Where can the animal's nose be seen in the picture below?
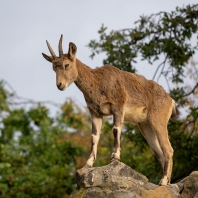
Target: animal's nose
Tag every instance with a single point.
(59, 85)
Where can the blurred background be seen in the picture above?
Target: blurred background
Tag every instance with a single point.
(45, 133)
(26, 25)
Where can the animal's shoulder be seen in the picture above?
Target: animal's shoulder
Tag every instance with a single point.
(155, 86)
(107, 69)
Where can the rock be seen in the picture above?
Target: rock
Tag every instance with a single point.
(150, 190)
(180, 185)
(115, 176)
(78, 194)
(150, 186)
(117, 180)
(190, 186)
(160, 192)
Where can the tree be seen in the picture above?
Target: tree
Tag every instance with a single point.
(38, 152)
(169, 41)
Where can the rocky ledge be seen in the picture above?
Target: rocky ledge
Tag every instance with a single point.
(117, 180)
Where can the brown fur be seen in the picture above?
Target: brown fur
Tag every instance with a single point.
(127, 96)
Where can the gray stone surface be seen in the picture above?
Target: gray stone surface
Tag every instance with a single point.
(115, 175)
(116, 180)
(174, 189)
(150, 186)
(191, 186)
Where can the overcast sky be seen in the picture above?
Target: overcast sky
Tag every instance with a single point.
(25, 25)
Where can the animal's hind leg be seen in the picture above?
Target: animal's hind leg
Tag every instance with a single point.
(162, 136)
(153, 142)
(118, 120)
(158, 120)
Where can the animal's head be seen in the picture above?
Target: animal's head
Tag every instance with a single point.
(64, 65)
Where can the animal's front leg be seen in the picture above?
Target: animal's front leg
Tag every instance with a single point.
(117, 128)
(96, 128)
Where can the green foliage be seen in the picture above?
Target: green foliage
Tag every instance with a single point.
(169, 40)
(39, 153)
(36, 157)
(3, 98)
(167, 34)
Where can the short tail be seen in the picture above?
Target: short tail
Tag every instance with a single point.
(175, 112)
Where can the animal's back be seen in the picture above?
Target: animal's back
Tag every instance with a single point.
(136, 89)
(144, 91)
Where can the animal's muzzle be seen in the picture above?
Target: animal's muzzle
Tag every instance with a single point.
(59, 85)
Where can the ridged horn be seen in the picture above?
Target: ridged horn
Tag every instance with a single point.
(60, 46)
(51, 50)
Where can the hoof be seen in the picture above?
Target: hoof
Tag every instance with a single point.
(115, 156)
(164, 181)
(87, 166)
(114, 159)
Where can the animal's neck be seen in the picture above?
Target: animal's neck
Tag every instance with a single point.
(85, 79)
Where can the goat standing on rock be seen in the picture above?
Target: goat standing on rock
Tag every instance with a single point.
(127, 96)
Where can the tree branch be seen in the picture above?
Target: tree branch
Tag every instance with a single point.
(167, 82)
(159, 67)
(192, 91)
(34, 102)
(24, 100)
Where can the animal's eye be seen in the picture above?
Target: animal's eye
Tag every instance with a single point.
(66, 66)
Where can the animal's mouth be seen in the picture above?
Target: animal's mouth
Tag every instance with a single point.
(62, 88)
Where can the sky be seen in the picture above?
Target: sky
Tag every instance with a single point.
(26, 25)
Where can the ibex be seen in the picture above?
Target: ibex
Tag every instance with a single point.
(126, 96)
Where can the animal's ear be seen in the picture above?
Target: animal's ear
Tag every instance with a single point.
(48, 58)
(72, 50)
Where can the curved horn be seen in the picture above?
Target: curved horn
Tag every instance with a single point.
(51, 50)
(60, 46)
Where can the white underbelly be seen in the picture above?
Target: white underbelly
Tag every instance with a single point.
(135, 114)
